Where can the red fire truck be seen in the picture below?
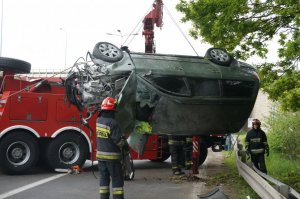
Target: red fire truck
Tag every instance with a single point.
(37, 122)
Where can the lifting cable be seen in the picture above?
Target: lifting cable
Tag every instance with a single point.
(140, 24)
(180, 30)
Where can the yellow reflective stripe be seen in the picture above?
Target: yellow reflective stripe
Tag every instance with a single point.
(104, 190)
(103, 129)
(256, 151)
(118, 192)
(102, 132)
(189, 163)
(255, 140)
(174, 142)
(109, 157)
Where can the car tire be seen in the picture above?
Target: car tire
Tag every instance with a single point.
(14, 65)
(66, 150)
(18, 152)
(218, 56)
(107, 52)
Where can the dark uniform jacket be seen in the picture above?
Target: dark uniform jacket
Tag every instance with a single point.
(108, 136)
(256, 141)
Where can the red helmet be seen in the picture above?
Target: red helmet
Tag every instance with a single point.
(109, 104)
(256, 121)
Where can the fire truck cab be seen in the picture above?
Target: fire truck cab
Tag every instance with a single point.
(38, 122)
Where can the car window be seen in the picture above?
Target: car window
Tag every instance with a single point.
(205, 87)
(171, 84)
(233, 88)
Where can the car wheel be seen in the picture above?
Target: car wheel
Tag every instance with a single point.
(218, 56)
(18, 152)
(203, 154)
(107, 52)
(66, 150)
(14, 65)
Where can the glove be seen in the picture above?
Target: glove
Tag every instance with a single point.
(267, 150)
(121, 143)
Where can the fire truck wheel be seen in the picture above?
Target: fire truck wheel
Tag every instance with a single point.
(15, 65)
(66, 150)
(107, 52)
(218, 56)
(203, 154)
(18, 152)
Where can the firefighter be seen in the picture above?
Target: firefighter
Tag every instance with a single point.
(257, 146)
(109, 142)
(176, 144)
(188, 147)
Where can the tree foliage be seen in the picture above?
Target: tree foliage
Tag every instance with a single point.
(245, 28)
(283, 133)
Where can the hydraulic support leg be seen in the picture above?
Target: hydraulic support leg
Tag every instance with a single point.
(195, 154)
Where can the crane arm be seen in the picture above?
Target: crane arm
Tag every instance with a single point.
(154, 17)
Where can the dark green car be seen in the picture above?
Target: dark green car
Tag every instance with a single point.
(176, 94)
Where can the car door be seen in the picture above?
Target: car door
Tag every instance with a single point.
(126, 113)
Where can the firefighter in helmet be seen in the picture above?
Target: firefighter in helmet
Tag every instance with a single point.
(257, 145)
(109, 141)
(176, 144)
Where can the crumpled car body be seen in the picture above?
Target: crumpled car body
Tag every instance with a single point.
(178, 94)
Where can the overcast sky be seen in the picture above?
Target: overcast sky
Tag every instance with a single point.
(36, 30)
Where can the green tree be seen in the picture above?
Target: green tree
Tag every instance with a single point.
(245, 28)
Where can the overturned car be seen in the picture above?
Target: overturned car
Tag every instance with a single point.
(176, 94)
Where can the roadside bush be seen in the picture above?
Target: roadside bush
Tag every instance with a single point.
(284, 133)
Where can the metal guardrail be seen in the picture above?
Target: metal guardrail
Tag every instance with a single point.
(257, 179)
(282, 188)
(258, 184)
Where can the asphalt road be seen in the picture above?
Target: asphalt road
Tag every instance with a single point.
(152, 181)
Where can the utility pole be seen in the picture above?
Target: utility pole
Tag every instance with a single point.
(66, 45)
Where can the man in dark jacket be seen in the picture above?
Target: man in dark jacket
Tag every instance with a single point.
(257, 145)
(109, 139)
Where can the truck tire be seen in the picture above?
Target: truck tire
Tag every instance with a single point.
(203, 154)
(218, 56)
(18, 152)
(66, 150)
(14, 65)
(107, 52)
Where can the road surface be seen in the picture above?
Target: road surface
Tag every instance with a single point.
(152, 181)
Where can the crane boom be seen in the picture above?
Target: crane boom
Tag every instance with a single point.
(154, 17)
